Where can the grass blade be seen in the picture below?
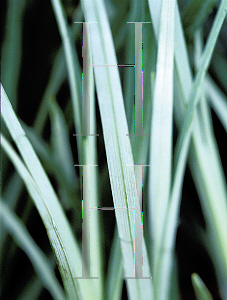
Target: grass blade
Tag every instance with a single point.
(61, 155)
(115, 274)
(219, 211)
(118, 149)
(201, 291)
(46, 217)
(90, 157)
(195, 13)
(32, 290)
(218, 100)
(72, 64)
(197, 86)
(161, 140)
(37, 257)
(201, 156)
(57, 76)
(62, 239)
(185, 78)
(85, 146)
(11, 50)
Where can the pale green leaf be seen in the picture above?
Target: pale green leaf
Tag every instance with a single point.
(62, 239)
(40, 262)
(161, 140)
(117, 144)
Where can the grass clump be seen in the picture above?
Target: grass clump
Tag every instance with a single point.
(128, 183)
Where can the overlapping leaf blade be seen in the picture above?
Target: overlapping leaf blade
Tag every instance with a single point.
(60, 234)
(117, 144)
(37, 257)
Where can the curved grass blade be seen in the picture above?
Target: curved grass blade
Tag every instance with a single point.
(40, 262)
(45, 215)
(11, 195)
(62, 239)
(58, 74)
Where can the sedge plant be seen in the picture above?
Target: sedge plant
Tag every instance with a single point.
(110, 196)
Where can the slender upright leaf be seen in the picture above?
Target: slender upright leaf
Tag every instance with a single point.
(118, 149)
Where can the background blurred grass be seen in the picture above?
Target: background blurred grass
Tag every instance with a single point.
(30, 43)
